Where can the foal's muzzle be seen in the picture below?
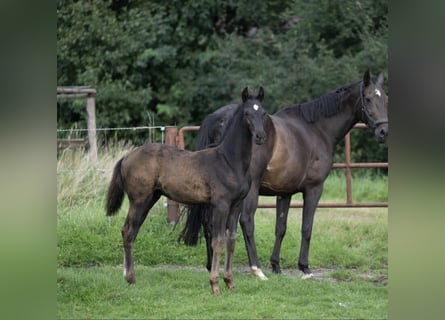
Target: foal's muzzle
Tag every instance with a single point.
(260, 138)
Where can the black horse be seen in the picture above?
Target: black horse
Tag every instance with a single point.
(218, 177)
(298, 157)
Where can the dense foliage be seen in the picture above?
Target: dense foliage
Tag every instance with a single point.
(173, 62)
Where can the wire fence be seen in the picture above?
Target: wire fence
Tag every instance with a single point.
(76, 131)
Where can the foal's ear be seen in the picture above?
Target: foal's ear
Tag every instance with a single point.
(366, 78)
(245, 94)
(260, 95)
(379, 80)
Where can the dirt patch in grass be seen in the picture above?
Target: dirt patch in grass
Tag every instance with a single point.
(318, 274)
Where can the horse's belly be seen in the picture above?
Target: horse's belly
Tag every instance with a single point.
(280, 181)
(187, 193)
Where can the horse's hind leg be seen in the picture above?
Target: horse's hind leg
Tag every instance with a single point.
(208, 236)
(311, 197)
(137, 213)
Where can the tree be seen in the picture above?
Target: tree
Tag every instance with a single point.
(177, 61)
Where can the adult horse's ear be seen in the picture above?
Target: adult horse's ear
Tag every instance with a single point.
(366, 78)
(260, 95)
(379, 80)
(245, 94)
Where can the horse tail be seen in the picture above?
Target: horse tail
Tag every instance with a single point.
(196, 216)
(115, 195)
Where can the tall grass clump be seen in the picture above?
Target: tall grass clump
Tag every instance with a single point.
(80, 182)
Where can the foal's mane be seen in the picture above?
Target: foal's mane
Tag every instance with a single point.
(326, 105)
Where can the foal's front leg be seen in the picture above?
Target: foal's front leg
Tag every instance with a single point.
(217, 245)
(219, 220)
(232, 224)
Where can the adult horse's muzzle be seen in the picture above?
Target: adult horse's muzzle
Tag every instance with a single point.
(381, 132)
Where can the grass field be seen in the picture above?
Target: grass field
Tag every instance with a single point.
(348, 256)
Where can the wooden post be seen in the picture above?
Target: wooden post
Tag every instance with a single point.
(89, 94)
(172, 206)
(91, 111)
(348, 168)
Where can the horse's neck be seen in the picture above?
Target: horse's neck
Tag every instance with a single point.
(236, 145)
(338, 125)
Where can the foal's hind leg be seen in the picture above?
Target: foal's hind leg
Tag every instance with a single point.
(136, 215)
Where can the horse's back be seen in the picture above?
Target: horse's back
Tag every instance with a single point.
(175, 173)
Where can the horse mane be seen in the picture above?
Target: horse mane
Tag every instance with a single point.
(214, 127)
(326, 105)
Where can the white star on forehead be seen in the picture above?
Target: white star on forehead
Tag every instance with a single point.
(377, 92)
(255, 107)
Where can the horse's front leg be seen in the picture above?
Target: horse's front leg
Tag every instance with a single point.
(218, 236)
(232, 224)
(282, 212)
(311, 196)
(247, 222)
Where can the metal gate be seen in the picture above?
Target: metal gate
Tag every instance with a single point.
(176, 138)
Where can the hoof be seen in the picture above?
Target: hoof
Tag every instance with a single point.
(276, 268)
(130, 279)
(258, 273)
(215, 287)
(307, 276)
(229, 282)
(215, 291)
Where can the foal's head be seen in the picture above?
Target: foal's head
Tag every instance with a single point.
(374, 103)
(254, 114)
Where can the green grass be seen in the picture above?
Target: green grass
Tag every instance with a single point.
(348, 250)
(101, 293)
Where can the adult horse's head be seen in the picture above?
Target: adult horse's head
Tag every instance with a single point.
(374, 105)
(254, 114)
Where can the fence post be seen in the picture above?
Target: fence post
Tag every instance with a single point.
(348, 168)
(172, 206)
(91, 112)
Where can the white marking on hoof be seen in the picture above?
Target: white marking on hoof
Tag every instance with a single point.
(258, 273)
(377, 92)
(307, 276)
(255, 106)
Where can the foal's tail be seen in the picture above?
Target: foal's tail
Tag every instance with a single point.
(115, 195)
(197, 215)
